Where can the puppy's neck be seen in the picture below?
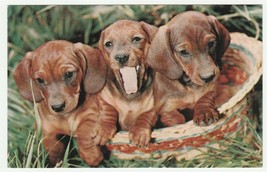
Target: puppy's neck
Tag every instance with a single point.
(148, 81)
(82, 96)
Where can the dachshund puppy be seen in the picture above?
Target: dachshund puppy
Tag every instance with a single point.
(63, 77)
(186, 53)
(128, 95)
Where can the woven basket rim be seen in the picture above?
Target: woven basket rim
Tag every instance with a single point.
(256, 72)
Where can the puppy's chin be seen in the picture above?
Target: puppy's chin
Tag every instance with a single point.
(199, 82)
(190, 80)
(129, 78)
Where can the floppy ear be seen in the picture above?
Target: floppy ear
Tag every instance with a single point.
(101, 41)
(22, 77)
(160, 56)
(223, 38)
(149, 29)
(95, 70)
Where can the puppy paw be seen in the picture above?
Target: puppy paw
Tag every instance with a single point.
(54, 160)
(205, 117)
(139, 136)
(102, 134)
(92, 156)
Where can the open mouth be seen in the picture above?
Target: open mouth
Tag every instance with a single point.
(130, 77)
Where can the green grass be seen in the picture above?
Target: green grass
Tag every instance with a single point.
(30, 26)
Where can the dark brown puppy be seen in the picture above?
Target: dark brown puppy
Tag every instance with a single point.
(128, 95)
(64, 78)
(186, 53)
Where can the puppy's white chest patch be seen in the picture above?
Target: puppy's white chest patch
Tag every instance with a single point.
(128, 111)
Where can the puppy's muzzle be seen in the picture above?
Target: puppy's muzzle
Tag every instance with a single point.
(122, 58)
(59, 107)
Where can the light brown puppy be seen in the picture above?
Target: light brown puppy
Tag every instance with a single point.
(127, 96)
(186, 53)
(64, 78)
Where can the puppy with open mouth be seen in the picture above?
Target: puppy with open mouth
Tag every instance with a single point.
(128, 95)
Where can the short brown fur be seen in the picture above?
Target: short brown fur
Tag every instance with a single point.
(134, 112)
(186, 53)
(64, 77)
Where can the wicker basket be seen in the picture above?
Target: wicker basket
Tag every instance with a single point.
(187, 140)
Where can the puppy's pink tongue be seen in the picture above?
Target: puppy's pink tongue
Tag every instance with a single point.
(129, 78)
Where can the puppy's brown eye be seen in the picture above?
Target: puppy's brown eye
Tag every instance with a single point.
(68, 75)
(136, 39)
(108, 44)
(211, 44)
(184, 53)
(40, 80)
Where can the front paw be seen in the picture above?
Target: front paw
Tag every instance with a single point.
(102, 134)
(54, 160)
(205, 117)
(139, 136)
(92, 156)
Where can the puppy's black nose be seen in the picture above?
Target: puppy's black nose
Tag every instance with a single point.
(207, 77)
(122, 58)
(59, 107)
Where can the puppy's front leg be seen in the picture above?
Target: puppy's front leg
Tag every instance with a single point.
(88, 150)
(105, 127)
(140, 131)
(54, 148)
(205, 112)
(172, 118)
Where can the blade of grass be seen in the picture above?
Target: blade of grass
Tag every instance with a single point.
(30, 153)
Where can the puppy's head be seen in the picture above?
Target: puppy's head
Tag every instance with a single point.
(190, 45)
(58, 71)
(124, 45)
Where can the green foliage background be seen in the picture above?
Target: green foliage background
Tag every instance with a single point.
(31, 26)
